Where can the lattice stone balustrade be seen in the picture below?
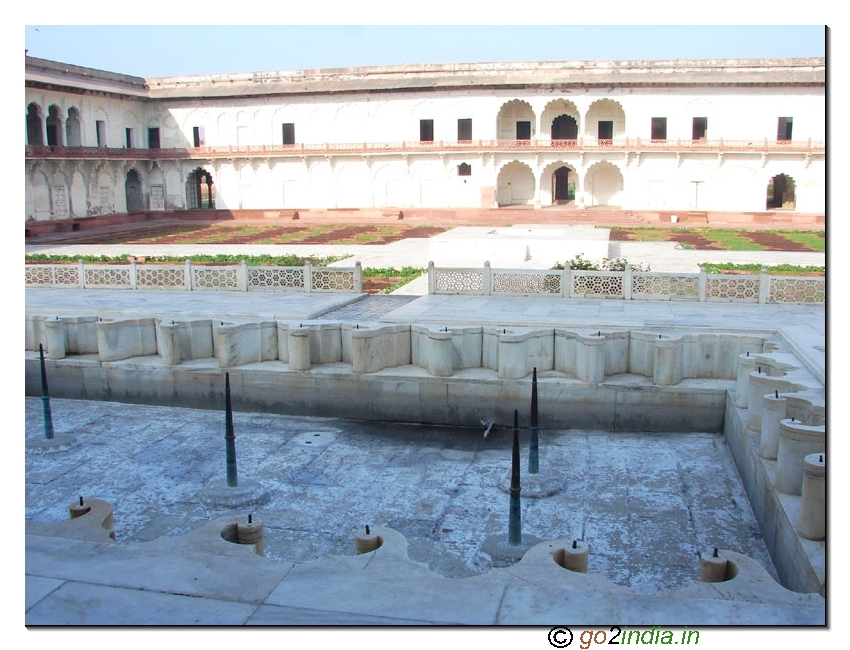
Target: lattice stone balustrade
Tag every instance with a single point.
(732, 289)
(664, 286)
(215, 277)
(160, 276)
(592, 285)
(107, 276)
(275, 277)
(527, 282)
(234, 277)
(798, 290)
(450, 281)
(332, 280)
(627, 285)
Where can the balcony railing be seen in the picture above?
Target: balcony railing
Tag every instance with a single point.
(635, 145)
(627, 285)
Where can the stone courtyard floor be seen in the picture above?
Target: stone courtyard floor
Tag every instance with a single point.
(646, 504)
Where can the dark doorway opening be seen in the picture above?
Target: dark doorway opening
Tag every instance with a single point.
(200, 194)
(426, 130)
(133, 191)
(34, 133)
(523, 130)
(563, 186)
(54, 127)
(700, 128)
(564, 127)
(781, 193)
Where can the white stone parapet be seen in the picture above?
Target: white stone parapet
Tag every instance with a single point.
(124, 339)
(247, 343)
(590, 356)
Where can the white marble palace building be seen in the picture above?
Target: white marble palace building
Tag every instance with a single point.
(719, 135)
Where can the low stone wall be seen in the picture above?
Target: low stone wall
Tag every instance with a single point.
(404, 394)
(775, 427)
(195, 277)
(512, 352)
(627, 285)
(799, 562)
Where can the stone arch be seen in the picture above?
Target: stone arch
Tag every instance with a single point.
(73, 132)
(200, 190)
(132, 121)
(559, 183)
(515, 184)
(35, 133)
(105, 192)
(244, 129)
(133, 191)
(54, 126)
(515, 121)
(59, 195)
(77, 195)
(560, 120)
(40, 196)
(603, 117)
(603, 185)
(101, 135)
(391, 185)
(195, 117)
(781, 193)
(156, 188)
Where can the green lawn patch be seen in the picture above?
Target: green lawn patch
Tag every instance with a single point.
(777, 269)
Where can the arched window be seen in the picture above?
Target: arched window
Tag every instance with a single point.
(73, 136)
(54, 126)
(35, 134)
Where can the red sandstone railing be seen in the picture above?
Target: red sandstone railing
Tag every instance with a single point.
(533, 146)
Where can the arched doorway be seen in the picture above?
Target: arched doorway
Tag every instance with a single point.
(564, 127)
(603, 185)
(133, 192)
(515, 121)
(35, 134)
(605, 121)
(515, 184)
(563, 186)
(199, 190)
(781, 193)
(72, 128)
(54, 126)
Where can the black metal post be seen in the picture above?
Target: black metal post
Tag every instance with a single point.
(515, 520)
(229, 437)
(45, 397)
(533, 440)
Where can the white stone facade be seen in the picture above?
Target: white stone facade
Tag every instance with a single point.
(663, 136)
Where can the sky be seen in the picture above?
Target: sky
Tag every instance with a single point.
(182, 49)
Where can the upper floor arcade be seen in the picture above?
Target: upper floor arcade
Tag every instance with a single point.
(760, 107)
